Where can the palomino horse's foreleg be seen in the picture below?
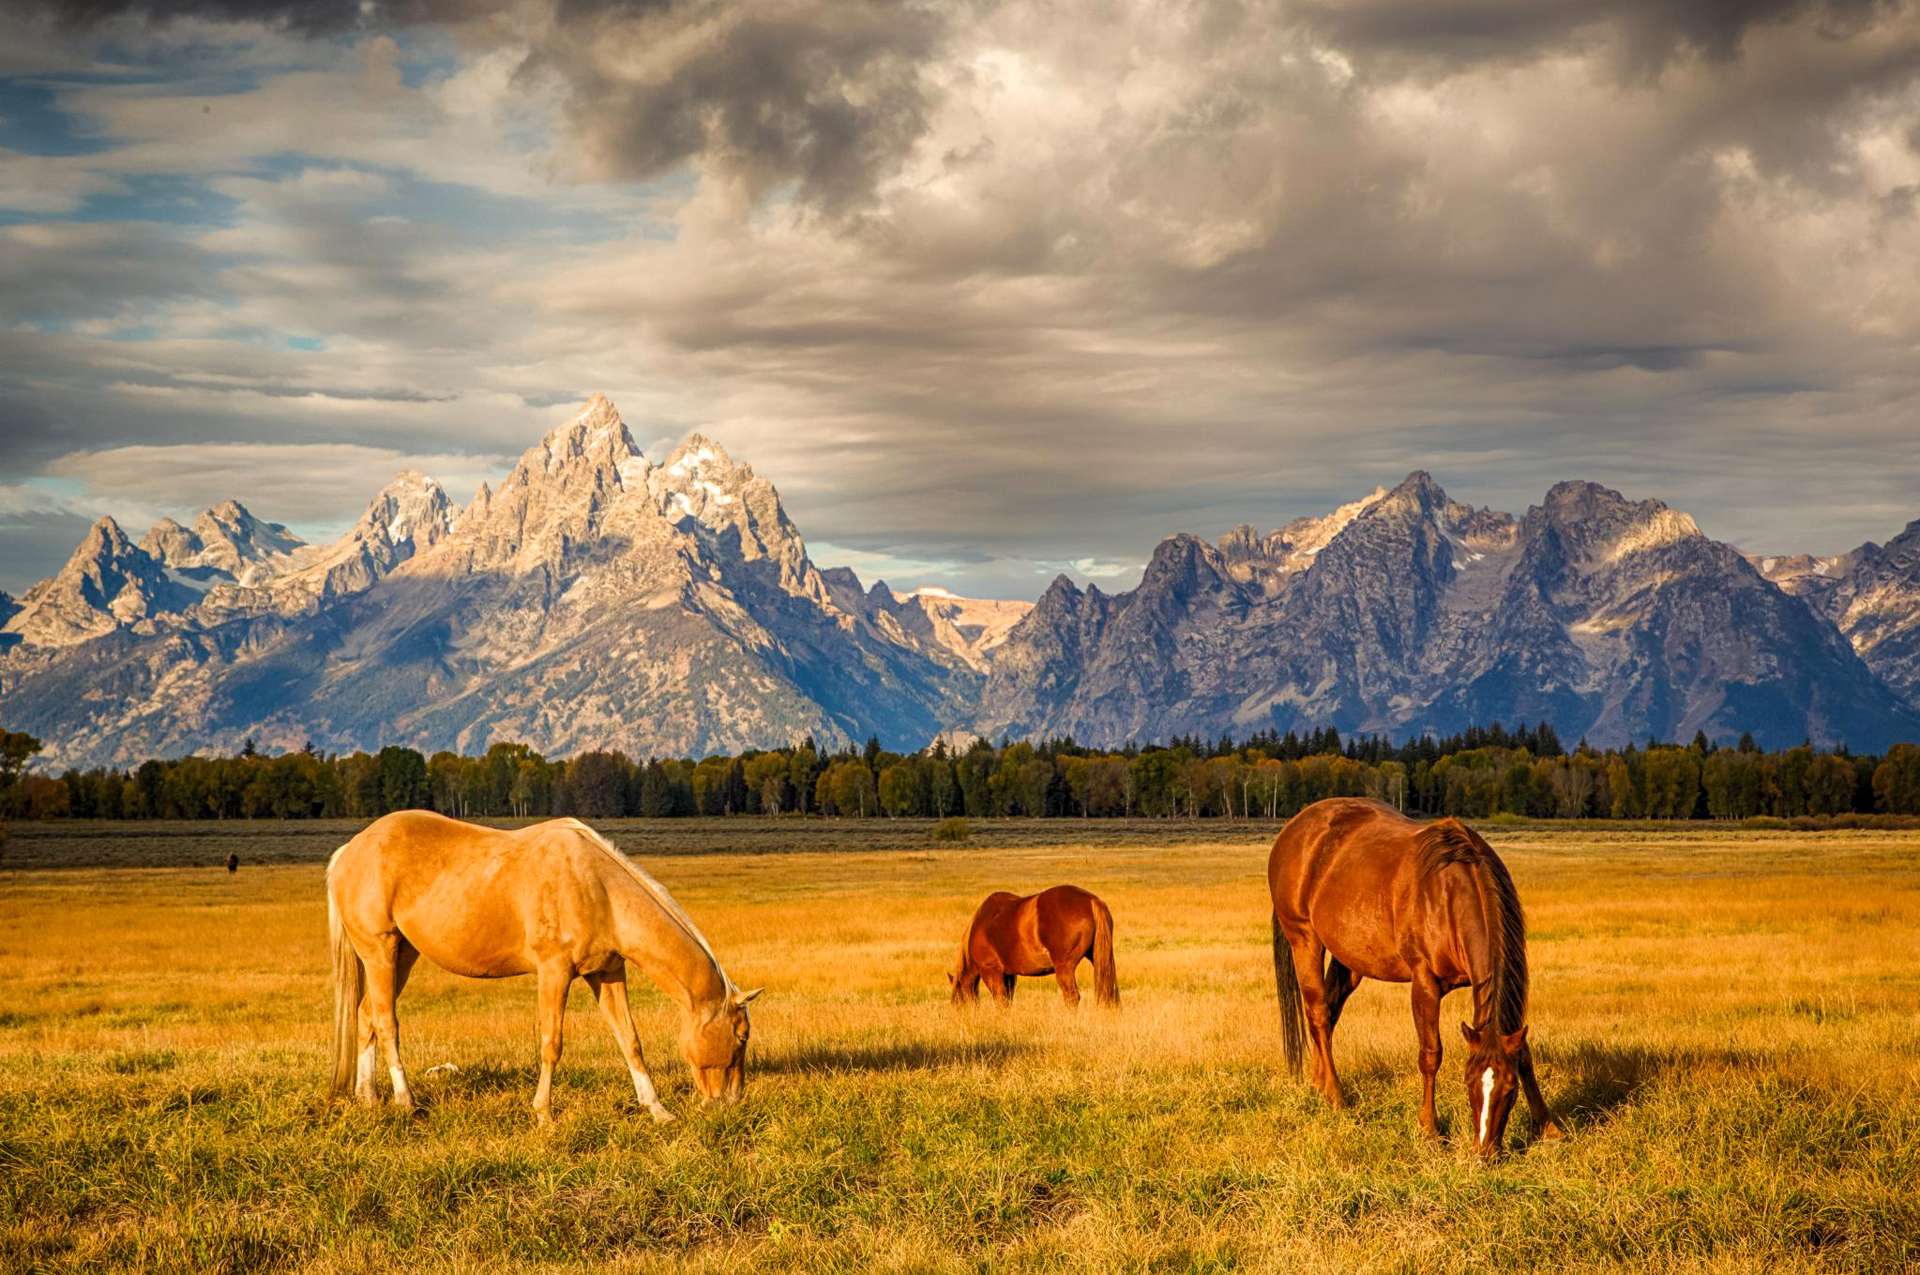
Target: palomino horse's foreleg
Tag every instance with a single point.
(611, 991)
(1307, 954)
(555, 983)
(1536, 1105)
(405, 954)
(384, 981)
(1426, 1025)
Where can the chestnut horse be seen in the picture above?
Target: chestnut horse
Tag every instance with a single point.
(555, 900)
(1380, 896)
(1046, 933)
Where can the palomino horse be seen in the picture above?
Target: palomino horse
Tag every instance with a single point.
(1046, 933)
(1381, 896)
(555, 900)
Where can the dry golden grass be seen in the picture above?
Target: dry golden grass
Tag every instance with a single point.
(1727, 1022)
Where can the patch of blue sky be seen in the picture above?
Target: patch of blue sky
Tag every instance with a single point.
(426, 57)
(310, 344)
(170, 198)
(32, 122)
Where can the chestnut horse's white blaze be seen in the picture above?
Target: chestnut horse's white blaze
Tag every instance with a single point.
(1486, 1101)
(555, 900)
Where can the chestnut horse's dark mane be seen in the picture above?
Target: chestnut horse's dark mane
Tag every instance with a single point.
(1449, 842)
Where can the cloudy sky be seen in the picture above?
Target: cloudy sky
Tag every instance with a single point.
(989, 290)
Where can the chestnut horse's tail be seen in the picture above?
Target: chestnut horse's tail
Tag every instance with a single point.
(349, 984)
(1293, 1014)
(1106, 980)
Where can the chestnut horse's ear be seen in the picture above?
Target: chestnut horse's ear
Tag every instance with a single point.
(1473, 1037)
(741, 998)
(1515, 1041)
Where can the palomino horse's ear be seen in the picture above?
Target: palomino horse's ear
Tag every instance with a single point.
(1514, 1042)
(741, 998)
(1473, 1037)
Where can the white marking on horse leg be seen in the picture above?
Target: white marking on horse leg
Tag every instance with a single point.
(649, 1097)
(402, 1096)
(363, 1073)
(1486, 1102)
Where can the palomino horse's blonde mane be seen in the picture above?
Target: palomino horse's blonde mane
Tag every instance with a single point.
(658, 893)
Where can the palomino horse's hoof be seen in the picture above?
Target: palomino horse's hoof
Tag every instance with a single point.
(662, 1116)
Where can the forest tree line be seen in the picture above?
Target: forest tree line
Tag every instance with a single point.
(1481, 772)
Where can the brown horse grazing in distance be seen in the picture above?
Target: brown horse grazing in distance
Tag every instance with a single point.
(1380, 896)
(1046, 933)
(555, 900)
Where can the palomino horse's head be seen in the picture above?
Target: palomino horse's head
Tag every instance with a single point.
(713, 1040)
(1493, 1078)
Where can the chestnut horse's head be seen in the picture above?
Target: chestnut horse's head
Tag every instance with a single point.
(964, 990)
(1493, 1078)
(713, 1040)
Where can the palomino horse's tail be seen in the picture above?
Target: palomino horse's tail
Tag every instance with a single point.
(1286, 981)
(1106, 980)
(349, 984)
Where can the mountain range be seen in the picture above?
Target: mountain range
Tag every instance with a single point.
(596, 599)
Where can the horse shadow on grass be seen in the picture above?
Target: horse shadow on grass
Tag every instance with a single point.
(1586, 1085)
(1591, 1082)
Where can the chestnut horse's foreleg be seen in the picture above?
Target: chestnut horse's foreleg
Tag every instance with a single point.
(1426, 1025)
(1000, 985)
(383, 987)
(1307, 953)
(611, 991)
(405, 954)
(555, 982)
(1536, 1105)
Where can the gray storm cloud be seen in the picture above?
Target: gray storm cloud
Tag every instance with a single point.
(1021, 284)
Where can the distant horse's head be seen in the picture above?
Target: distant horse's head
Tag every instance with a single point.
(964, 990)
(1493, 1078)
(713, 1040)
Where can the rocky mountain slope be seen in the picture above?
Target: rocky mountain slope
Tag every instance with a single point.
(596, 599)
(1408, 611)
(593, 600)
(1872, 596)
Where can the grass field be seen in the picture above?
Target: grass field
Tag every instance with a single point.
(1729, 1024)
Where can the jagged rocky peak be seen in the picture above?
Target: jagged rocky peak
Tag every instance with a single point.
(595, 437)
(106, 583)
(226, 539)
(171, 543)
(411, 511)
(700, 482)
(1603, 527)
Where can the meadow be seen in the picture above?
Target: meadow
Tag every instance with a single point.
(1728, 1022)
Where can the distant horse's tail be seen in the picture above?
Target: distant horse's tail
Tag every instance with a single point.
(1293, 1018)
(349, 984)
(1106, 979)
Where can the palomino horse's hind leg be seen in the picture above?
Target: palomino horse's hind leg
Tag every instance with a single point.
(1426, 1025)
(383, 986)
(555, 982)
(1536, 1105)
(1313, 997)
(405, 954)
(611, 991)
